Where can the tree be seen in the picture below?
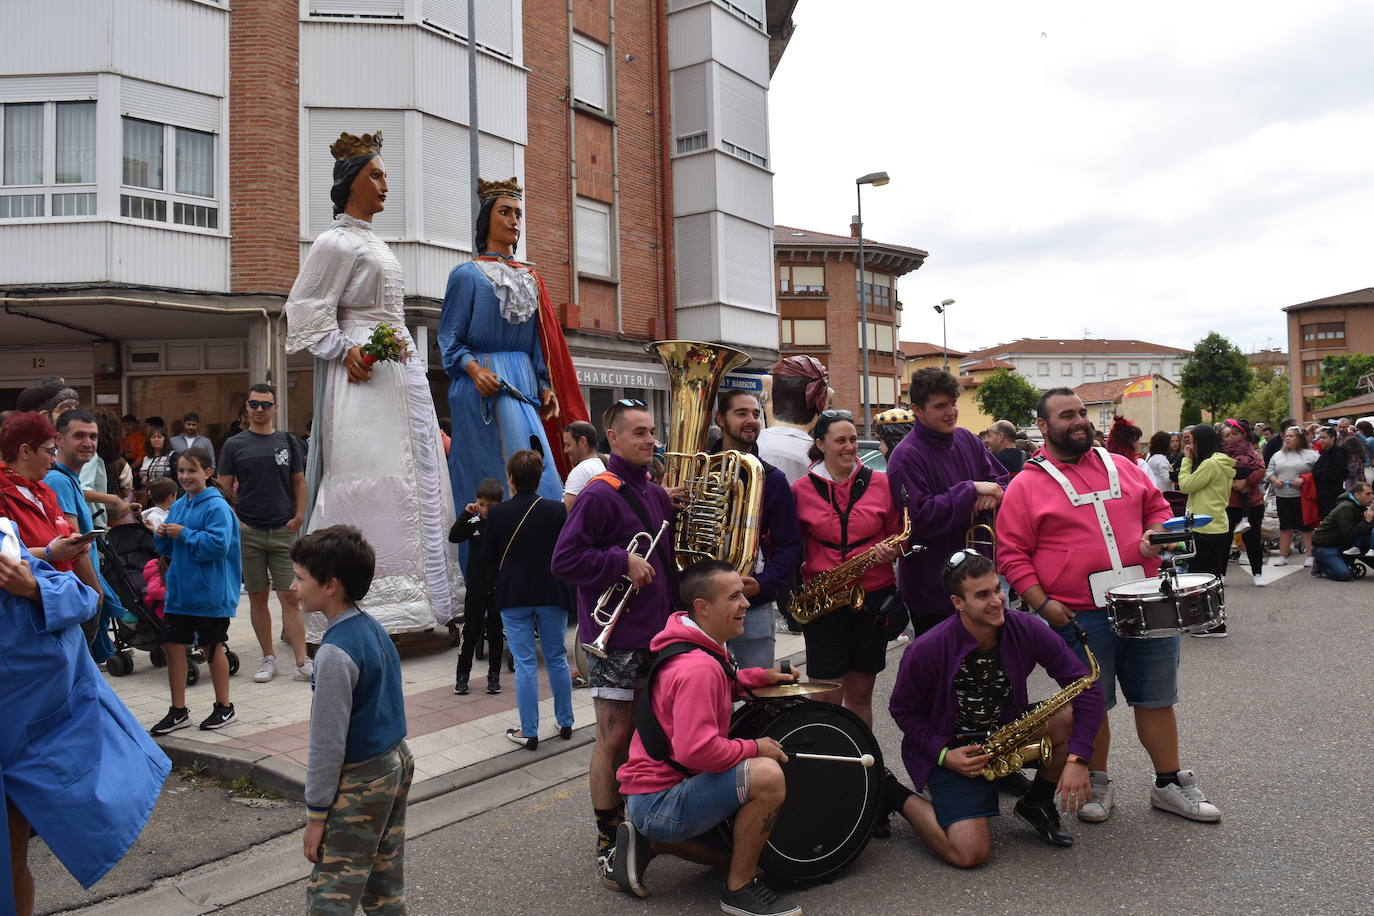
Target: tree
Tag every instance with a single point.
(1268, 400)
(1191, 415)
(1216, 374)
(1005, 395)
(1340, 375)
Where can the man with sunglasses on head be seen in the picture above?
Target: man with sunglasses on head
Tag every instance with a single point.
(953, 482)
(1075, 522)
(961, 681)
(268, 465)
(592, 555)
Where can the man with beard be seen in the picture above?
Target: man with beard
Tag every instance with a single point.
(1075, 519)
(780, 545)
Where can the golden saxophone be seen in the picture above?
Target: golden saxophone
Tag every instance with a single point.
(1012, 746)
(839, 587)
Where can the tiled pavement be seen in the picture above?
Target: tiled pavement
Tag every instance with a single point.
(446, 732)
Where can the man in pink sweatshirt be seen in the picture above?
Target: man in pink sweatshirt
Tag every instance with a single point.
(706, 776)
(1054, 551)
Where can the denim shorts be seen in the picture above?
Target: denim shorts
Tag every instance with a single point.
(960, 798)
(1147, 669)
(690, 808)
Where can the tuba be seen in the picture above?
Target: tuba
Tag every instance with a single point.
(723, 492)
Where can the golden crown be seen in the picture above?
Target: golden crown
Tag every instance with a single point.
(348, 145)
(489, 190)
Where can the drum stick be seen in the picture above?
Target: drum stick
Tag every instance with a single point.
(865, 760)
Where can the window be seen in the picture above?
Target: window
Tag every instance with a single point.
(75, 143)
(1154, 368)
(801, 278)
(147, 148)
(1090, 369)
(593, 238)
(1066, 369)
(48, 143)
(1133, 369)
(1042, 368)
(23, 144)
(880, 336)
(1311, 371)
(195, 162)
(803, 332)
(1111, 370)
(143, 150)
(882, 391)
(877, 288)
(1325, 334)
(589, 73)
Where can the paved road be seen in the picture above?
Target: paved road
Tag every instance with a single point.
(1276, 720)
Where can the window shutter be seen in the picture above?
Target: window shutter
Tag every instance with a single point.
(593, 240)
(589, 73)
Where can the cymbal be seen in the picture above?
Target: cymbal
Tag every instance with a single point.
(783, 691)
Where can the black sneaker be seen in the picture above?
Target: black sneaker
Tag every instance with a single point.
(175, 719)
(632, 855)
(493, 684)
(460, 686)
(756, 899)
(605, 868)
(220, 717)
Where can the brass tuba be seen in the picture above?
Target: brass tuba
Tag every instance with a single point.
(724, 492)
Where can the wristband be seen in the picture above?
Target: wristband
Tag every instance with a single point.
(941, 761)
(1044, 604)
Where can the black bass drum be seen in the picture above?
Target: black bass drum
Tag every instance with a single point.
(831, 806)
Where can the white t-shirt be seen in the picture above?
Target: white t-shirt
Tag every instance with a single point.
(1158, 467)
(154, 516)
(785, 448)
(581, 475)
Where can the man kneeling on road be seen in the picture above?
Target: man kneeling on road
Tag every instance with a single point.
(1346, 526)
(960, 681)
(684, 776)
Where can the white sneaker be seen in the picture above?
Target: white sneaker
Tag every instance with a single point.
(1242, 526)
(306, 671)
(267, 670)
(1279, 561)
(1185, 799)
(1103, 800)
(1259, 581)
(1307, 562)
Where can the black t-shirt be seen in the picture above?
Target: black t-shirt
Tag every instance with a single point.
(981, 691)
(262, 466)
(1013, 459)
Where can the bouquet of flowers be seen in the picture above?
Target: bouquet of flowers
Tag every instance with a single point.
(386, 343)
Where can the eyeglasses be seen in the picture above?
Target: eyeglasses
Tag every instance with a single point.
(52, 452)
(960, 557)
(261, 405)
(631, 402)
(618, 407)
(837, 414)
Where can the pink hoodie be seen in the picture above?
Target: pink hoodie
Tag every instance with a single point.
(1042, 540)
(873, 518)
(693, 700)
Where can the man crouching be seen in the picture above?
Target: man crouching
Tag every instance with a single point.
(960, 681)
(684, 776)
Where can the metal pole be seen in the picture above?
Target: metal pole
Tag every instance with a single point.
(944, 334)
(474, 164)
(863, 316)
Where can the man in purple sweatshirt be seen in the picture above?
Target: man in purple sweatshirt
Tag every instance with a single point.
(591, 554)
(960, 681)
(951, 480)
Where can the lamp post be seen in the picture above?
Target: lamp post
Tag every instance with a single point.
(944, 329)
(877, 179)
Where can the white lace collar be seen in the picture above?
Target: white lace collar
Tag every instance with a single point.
(516, 289)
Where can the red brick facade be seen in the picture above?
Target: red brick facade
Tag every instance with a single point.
(264, 114)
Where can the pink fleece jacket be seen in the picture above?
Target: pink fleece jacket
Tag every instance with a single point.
(873, 518)
(1042, 540)
(692, 699)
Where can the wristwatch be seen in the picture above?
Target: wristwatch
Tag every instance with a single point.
(1074, 758)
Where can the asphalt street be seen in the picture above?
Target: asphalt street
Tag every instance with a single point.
(1275, 719)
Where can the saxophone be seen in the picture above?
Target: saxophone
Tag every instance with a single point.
(1011, 745)
(839, 587)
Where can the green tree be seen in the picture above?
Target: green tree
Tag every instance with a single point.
(1268, 400)
(1191, 415)
(1216, 374)
(1005, 395)
(1340, 375)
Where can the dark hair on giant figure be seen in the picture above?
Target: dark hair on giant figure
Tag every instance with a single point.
(345, 170)
(696, 581)
(483, 225)
(337, 552)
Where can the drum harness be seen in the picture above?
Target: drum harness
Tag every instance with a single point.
(1098, 500)
(651, 733)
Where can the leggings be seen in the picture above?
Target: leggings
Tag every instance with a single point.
(1254, 547)
(1213, 552)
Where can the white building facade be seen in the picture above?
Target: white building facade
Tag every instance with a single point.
(1047, 363)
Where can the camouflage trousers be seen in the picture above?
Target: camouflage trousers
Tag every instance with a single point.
(363, 854)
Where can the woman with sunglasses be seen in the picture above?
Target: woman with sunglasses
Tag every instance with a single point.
(845, 509)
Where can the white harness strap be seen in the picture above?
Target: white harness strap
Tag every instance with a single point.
(1098, 498)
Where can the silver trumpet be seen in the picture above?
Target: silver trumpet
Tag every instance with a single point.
(620, 592)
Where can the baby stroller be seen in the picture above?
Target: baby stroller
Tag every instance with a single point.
(124, 551)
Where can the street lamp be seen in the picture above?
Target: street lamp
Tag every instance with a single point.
(877, 179)
(944, 335)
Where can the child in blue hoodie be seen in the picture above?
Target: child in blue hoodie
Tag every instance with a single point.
(200, 539)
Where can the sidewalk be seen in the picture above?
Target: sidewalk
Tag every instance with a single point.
(269, 737)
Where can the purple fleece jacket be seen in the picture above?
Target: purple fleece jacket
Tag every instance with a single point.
(923, 702)
(591, 554)
(937, 470)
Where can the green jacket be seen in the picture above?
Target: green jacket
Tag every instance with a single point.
(1209, 489)
(1343, 526)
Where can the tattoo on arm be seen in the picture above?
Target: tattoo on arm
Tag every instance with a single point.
(769, 822)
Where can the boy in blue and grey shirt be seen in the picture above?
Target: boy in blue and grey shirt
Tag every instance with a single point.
(360, 769)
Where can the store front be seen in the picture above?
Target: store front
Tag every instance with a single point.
(604, 382)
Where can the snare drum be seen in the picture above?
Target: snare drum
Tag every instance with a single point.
(1145, 609)
(828, 816)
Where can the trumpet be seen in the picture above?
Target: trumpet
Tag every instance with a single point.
(983, 539)
(620, 592)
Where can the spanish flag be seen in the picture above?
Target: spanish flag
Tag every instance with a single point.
(1140, 388)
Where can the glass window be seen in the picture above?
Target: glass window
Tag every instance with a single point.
(195, 162)
(1111, 369)
(1042, 368)
(76, 142)
(23, 144)
(1066, 368)
(803, 332)
(1090, 368)
(1134, 369)
(808, 279)
(143, 153)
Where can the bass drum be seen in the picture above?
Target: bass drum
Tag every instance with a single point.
(831, 806)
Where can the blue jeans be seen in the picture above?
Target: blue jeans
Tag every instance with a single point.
(1147, 669)
(1331, 562)
(553, 626)
(689, 808)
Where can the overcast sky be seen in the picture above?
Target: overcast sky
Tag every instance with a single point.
(1137, 170)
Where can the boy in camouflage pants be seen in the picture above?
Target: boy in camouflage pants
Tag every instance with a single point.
(359, 768)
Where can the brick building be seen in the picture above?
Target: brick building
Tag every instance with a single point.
(1333, 326)
(818, 308)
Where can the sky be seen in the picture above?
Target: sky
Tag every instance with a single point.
(1122, 170)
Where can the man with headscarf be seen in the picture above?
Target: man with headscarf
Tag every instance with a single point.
(800, 393)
